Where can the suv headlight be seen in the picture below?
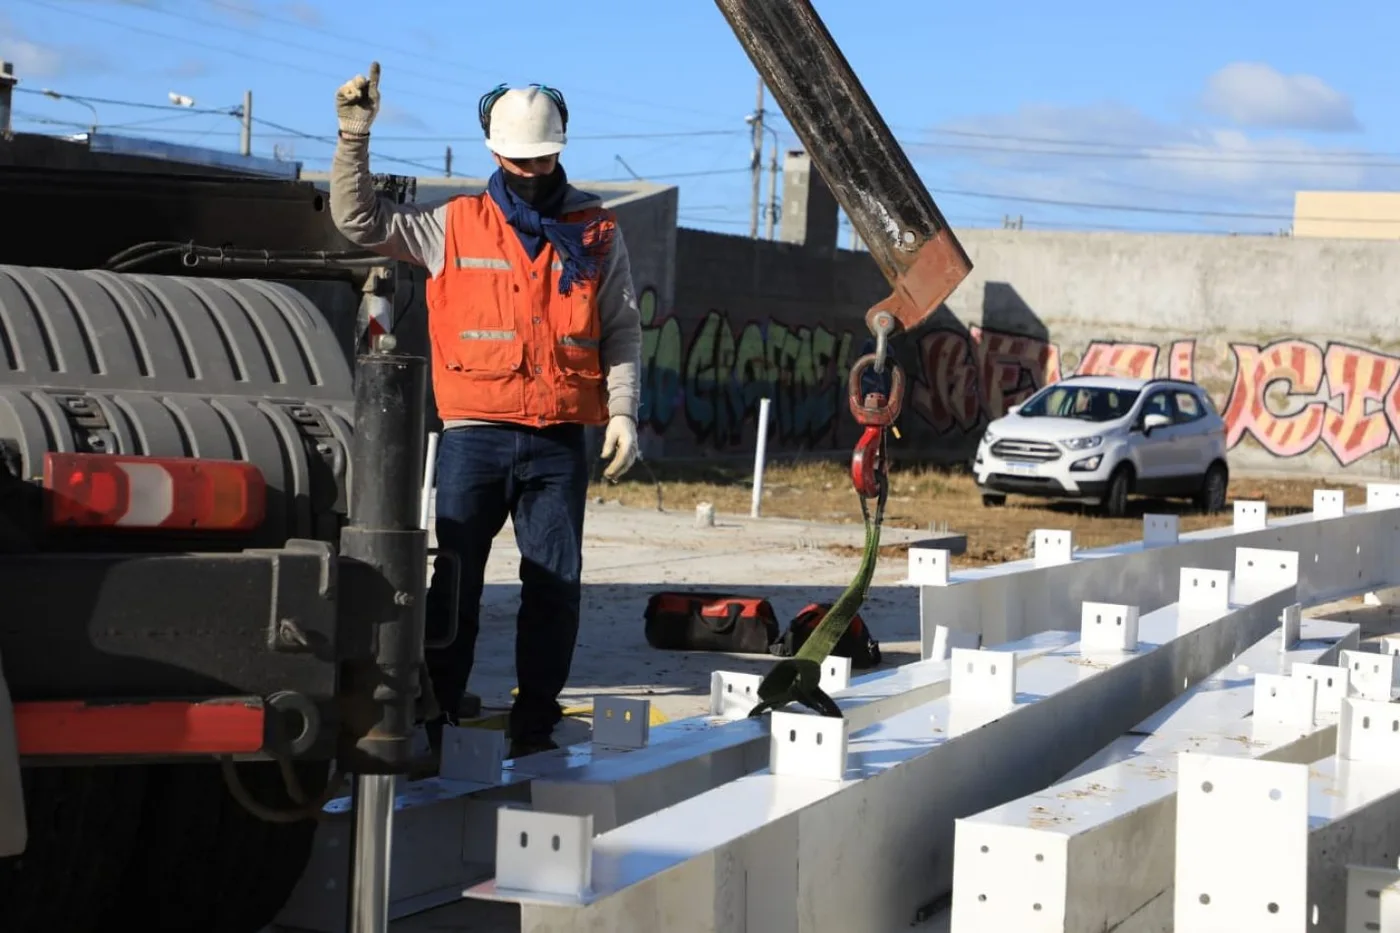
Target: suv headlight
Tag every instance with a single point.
(988, 437)
(1083, 443)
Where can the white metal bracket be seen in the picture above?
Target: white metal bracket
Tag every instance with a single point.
(836, 674)
(1369, 731)
(1261, 572)
(1160, 530)
(983, 677)
(1382, 495)
(1053, 546)
(1288, 701)
(1108, 627)
(804, 745)
(1241, 845)
(544, 853)
(1332, 683)
(1329, 503)
(1204, 591)
(472, 755)
(621, 722)
(733, 695)
(1251, 515)
(1290, 627)
(928, 566)
(1372, 674)
(1366, 887)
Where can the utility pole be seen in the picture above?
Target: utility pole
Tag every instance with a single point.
(245, 144)
(757, 166)
(773, 189)
(7, 88)
(447, 163)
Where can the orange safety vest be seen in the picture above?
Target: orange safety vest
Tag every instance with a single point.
(506, 345)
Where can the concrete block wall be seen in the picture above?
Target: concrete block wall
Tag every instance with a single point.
(1295, 338)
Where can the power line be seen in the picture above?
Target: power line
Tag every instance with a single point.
(137, 104)
(1152, 155)
(247, 56)
(1132, 146)
(292, 132)
(454, 64)
(1145, 209)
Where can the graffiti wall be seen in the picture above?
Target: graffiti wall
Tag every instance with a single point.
(702, 379)
(1286, 398)
(762, 320)
(706, 380)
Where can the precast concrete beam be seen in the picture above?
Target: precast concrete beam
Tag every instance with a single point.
(1091, 851)
(1341, 552)
(445, 831)
(1266, 845)
(884, 799)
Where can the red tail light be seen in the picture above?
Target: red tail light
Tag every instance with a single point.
(106, 491)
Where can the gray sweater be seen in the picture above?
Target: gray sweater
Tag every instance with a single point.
(416, 233)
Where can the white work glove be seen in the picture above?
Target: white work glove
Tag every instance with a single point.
(619, 443)
(357, 102)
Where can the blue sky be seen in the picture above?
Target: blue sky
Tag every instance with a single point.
(1184, 116)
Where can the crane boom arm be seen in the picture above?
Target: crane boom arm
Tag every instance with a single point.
(857, 155)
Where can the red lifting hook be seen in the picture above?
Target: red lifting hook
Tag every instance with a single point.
(875, 412)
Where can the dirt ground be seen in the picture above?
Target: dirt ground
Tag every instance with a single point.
(931, 499)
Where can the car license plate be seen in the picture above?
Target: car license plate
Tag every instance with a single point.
(1022, 469)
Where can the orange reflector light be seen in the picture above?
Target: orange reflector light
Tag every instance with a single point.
(157, 727)
(109, 491)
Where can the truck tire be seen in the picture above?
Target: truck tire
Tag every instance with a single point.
(83, 825)
(204, 863)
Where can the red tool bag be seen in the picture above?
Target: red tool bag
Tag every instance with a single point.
(857, 643)
(710, 622)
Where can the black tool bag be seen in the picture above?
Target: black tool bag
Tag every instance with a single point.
(857, 643)
(710, 622)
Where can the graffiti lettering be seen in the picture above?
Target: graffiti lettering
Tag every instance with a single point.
(718, 381)
(702, 379)
(1129, 360)
(1297, 366)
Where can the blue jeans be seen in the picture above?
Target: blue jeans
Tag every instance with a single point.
(539, 477)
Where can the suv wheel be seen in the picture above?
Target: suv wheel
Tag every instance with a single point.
(1115, 498)
(1214, 489)
(992, 501)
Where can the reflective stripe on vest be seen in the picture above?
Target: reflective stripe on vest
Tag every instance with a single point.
(506, 345)
(482, 262)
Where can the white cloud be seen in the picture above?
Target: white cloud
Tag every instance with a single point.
(42, 60)
(392, 115)
(304, 13)
(1254, 94)
(29, 58)
(1111, 153)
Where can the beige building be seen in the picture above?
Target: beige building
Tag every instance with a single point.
(1354, 215)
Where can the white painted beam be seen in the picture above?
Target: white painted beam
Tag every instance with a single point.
(1235, 860)
(684, 868)
(1339, 556)
(1090, 852)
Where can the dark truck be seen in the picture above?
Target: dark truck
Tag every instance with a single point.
(208, 591)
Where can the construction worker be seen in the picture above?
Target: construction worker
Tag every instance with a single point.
(535, 333)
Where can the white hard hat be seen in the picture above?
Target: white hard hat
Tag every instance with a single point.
(524, 123)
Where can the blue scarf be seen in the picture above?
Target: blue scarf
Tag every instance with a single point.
(581, 262)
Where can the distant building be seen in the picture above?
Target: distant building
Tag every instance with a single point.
(1353, 215)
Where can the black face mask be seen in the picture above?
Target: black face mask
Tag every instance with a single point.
(539, 191)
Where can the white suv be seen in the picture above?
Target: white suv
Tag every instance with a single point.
(1096, 439)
